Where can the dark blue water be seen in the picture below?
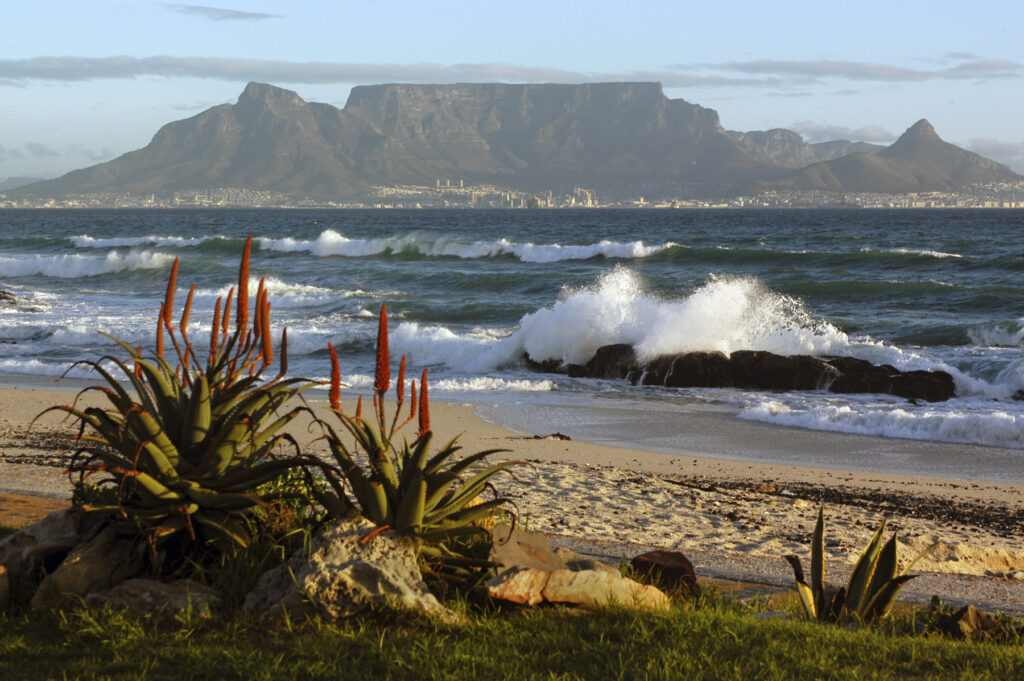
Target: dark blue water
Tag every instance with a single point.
(469, 291)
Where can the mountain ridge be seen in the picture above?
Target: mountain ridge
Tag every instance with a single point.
(617, 138)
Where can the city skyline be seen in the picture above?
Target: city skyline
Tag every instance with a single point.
(84, 83)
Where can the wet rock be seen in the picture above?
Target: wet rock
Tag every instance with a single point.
(670, 570)
(7, 298)
(344, 576)
(760, 370)
(140, 596)
(612, 361)
(95, 565)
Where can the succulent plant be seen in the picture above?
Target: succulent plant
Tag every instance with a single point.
(404, 486)
(873, 585)
(185, 446)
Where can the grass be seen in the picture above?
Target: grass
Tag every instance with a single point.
(714, 640)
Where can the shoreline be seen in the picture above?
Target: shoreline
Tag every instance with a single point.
(728, 512)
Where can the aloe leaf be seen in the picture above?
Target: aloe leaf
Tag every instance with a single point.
(818, 561)
(410, 510)
(863, 571)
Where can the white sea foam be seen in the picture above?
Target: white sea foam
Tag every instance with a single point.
(281, 293)
(487, 383)
(924, 252)
(330, 242)
(75, 266)
(998, 335)
(725, 314)
(950, 422)
(86, 241)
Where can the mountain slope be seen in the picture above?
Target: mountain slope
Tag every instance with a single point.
(919, 161)
(624, 137)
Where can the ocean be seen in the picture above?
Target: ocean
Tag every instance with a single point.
(468, 292)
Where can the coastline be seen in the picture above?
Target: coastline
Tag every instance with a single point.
(726, 512)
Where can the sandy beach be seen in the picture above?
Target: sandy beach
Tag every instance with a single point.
(715, 508)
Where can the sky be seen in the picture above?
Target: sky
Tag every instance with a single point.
(85, 81)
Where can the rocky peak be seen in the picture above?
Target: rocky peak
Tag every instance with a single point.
(258, 98)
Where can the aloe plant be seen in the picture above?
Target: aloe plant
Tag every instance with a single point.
(186, 445)
(873, 585)
(405, 486)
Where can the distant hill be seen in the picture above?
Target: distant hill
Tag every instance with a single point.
(918, 161)
(787, 149)
(15, 182)
(622, 139)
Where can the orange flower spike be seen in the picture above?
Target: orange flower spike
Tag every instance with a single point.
(169, 297)
(400, 384)
(160, 323)
(214, 329)
(424, 406)
(138, 366)
(242, 314)
(335, 394)
(284, 353)
(382, 377)
(268, 344)
(359, 408)
(412, 401)
(187, 311)
(227, 313)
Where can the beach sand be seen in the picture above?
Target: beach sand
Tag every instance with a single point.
(623, 499)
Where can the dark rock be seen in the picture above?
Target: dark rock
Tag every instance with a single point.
(1019, 395)
(759, 370)
(141, 596)
(768, 371)
(95, 565)
(8, 298)
(669, 570)
(545, 366)
(612, 361)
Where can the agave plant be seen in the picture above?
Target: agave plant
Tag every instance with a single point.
(404, 486)
(873, 586)
(186, 445)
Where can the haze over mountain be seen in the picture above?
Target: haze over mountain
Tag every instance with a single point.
(622, 139)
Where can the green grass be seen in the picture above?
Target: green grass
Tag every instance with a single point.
(712, 641)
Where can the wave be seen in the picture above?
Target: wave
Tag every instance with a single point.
(917, 252)
(75, 266)
(86, 241)
(998, 428)
(332, 243)
(999, 335)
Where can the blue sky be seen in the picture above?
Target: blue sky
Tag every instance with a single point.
(85, 81)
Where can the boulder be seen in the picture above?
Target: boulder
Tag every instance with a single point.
(5, 589)
(39, 548)
(94, 565)
(599, 588)
(514, 548)
(140, 596)
(589, 589)
(668, 569)
(345, 575)
(611, 361)
(759, 370)
(522, 586)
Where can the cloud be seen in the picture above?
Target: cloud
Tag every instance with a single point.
(824, 132)
(219, 14)
(74, 69)
(40, 150)
(990, 147)
(817, 70)
(8, 153)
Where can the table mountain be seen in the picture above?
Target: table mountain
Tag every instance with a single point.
(622, 139)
